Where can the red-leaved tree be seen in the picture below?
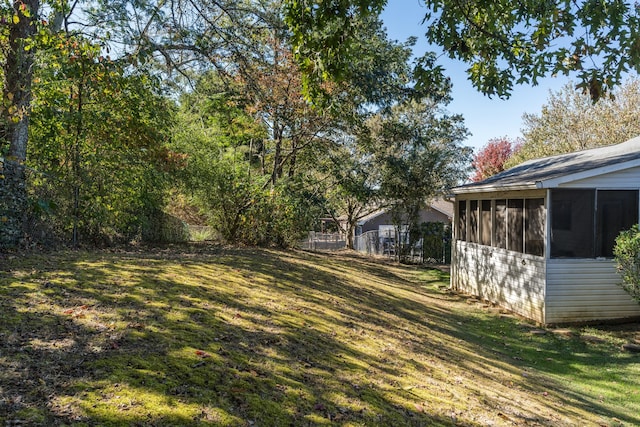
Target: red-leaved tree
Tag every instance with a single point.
(491, 158)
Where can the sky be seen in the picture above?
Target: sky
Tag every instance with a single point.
(486, 118)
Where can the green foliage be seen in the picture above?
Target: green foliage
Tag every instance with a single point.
(351, 188)
(436, 241)
(281, 216)
(330, 28)
(345, 42)
(507, 42)
(226, 169)
(503, 42)
(98, 139)
(402, 157)
(215, 134)
(225, 194)
(19, 24)
(417, 148)
(627, 254)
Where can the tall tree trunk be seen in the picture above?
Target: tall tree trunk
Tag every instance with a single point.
(18, 74)
(352, 223)
(350, 233)
(277, 154)
(293, 158)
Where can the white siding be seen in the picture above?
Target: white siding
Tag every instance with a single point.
(580, 290)
(511, 279)
(624, 179)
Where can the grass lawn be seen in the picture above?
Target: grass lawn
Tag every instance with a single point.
(247, 337)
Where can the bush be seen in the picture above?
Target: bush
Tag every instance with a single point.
(627, 254)
(280, 216)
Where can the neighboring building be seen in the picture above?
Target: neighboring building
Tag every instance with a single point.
(377, 234)
(538, 238)
(437, 210)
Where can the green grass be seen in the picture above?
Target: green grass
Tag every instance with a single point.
(196, 335)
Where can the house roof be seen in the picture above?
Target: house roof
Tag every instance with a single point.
(549, 172)
(441, 205)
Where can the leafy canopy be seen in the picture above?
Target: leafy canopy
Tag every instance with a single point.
(570, 121)
(503, 42)
(491, 158)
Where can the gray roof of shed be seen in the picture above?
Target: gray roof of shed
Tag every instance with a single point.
(441, 205)
(547, 172)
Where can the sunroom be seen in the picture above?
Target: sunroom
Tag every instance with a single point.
(538, 239)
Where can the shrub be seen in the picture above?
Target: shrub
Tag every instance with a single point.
(627, 254)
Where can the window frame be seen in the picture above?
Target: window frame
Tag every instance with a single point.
(487, 222)
(591, 243)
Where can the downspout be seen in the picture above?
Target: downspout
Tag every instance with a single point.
(547, 253)
(454, 252)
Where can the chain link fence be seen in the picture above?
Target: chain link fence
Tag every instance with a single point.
(324, 241)
(431, 244)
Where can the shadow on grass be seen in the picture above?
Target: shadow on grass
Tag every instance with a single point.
(265, 338)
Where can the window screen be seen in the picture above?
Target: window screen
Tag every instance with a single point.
(473, 221)
(616, 210)
(500, 225)
(462, 220)
(572, 217)
(534, 227)
(515, 211)
(485, 220)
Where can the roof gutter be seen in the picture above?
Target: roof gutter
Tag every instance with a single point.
(488, 188)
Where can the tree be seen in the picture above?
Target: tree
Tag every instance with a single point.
(273, 89)
(345, 41)
(417, 147)
(216, 135)
(570, 121)
(184, 38)
(98, 144)
(181, 33)
(491, 158)
(351, 187)
(504, 42)
(17, 40)
(301, 139)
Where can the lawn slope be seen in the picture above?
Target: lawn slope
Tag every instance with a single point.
(248, 337)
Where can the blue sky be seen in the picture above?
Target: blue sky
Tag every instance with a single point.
(484, 117)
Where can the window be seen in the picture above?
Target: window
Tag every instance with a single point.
(572, 216)
(473, 222)
(485, 220)
(616, 210)
(514, 224)
(515, 211)
(534, 227)
(585, 223)
(462, 220)
(500, 224)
